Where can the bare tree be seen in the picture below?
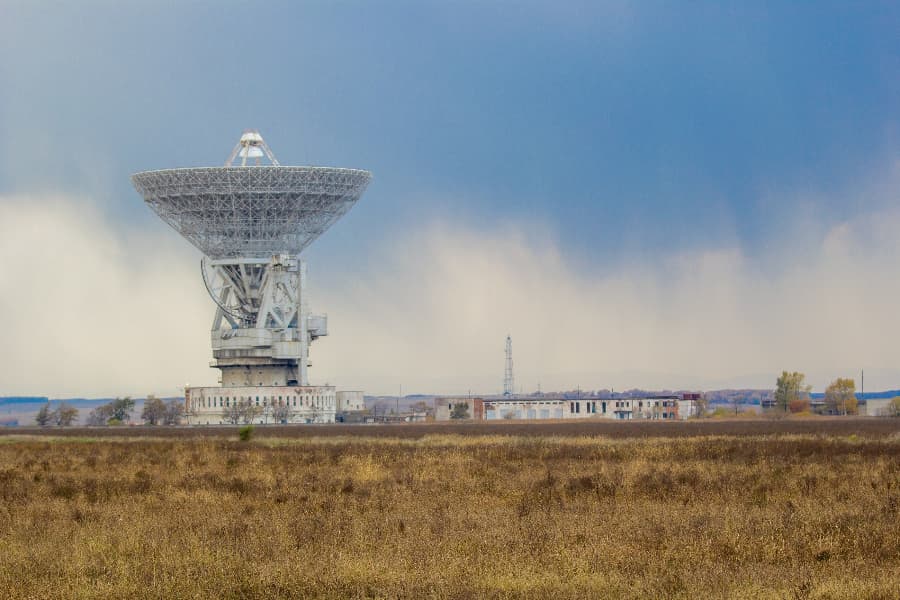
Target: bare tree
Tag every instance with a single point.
(242, 411)
(100, 415)
(154, 410)
(173, 413)
(44, 416)
(700, 406)
(65, 415)
(233, 412)
(281, 412)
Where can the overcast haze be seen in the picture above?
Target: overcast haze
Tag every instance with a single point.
(643, 195)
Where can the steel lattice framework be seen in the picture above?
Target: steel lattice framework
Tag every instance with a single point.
(251, 211)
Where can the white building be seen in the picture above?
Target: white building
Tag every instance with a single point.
(878, 407)
(491, 409)
(296, 404)
(350, 401)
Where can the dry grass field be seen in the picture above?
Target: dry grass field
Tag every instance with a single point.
(443, 515)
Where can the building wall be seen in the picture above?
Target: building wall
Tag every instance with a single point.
(444, 406)
(493, 409)
(687, 409)
(257, 375)
(878, 407)
(307, 404)
(350, 401)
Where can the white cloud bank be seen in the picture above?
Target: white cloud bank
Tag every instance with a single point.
(92, 309)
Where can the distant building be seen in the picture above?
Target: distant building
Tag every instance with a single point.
(350, 401)
(492, 409)
(443, 408)
(689, 406)
(877, 407)
(305, 404)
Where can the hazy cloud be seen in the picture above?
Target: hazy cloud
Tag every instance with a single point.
(435, 316)
(93, 308)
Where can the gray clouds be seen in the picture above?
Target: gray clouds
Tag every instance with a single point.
(93, 307)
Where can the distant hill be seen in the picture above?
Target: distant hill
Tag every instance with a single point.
(22, 409)
(865, 396)
(22, 400)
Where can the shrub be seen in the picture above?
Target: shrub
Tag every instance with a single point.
(245, 433)
(460, 411)
(799, 405)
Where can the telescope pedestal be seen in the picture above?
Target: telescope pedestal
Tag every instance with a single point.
(262, 328)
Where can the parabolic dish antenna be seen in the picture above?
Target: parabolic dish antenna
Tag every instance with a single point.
(251, 221)
(251, 211)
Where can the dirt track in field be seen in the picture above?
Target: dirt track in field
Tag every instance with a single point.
(828, 426)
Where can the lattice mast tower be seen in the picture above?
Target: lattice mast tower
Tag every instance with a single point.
(251, 222)
(508, 382)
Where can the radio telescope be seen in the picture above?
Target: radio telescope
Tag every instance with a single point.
(251, 221)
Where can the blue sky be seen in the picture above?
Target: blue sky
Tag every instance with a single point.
(624, 133)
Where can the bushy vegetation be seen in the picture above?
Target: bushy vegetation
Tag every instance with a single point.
(160, 412)
(460, 410)
(449, 516)
(117, 412)
(245, 433)
(64, 415)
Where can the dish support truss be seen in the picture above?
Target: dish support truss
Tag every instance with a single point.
(262, 318)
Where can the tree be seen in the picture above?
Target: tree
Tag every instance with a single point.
(701, 406)
(460, 410)
(44, 416)
(840, 397)
(154, 411)
(281, 412)
(233, 412)
(241, 411)
(174, 412)
(65, 415)
(116, 412)
(121, 409)
(790, 387)
(100, 416)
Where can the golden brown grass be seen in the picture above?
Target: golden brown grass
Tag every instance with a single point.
(446, 516)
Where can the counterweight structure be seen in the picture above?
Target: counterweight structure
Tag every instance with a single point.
(251, 222)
